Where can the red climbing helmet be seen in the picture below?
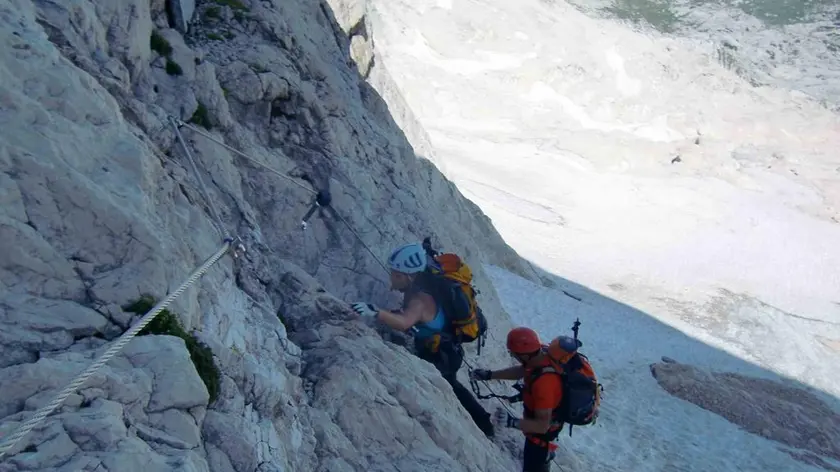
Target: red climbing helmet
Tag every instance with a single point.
(522, 340)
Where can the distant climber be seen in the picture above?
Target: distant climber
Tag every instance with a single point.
(415, 273)
(571, 396)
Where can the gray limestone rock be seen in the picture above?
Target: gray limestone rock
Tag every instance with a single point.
(176, 382)
(101, 206)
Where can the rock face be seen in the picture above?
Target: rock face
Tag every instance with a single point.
(181, 12)
(101, 205)
(787, 414)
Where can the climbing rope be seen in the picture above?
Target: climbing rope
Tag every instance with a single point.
(493, 394)
(238, 152)
(323, 199)
(116, 347)
(220, 225)
(381, 264)
(234, 245)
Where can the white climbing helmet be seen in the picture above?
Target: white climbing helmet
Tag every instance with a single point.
(408, 259)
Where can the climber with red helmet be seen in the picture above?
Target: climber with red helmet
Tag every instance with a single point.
(541, 396)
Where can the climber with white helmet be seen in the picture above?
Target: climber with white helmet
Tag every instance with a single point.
(420, 310)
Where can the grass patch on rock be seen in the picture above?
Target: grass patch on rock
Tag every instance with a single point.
(201, 116)
(172, 67)
(214, 13)
(168, 323)
(159, 44)
(233, 4)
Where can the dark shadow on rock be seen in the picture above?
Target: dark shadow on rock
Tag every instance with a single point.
(778, 411)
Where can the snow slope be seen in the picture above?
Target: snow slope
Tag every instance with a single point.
(783, 43)
(565, 130)
(589, 116)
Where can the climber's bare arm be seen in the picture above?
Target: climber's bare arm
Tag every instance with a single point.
(416, 310)
(515, 372)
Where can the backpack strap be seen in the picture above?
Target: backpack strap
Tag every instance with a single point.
(430, 284)
(438, 287)
(424, 282)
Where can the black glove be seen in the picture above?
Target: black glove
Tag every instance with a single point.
(480, 374)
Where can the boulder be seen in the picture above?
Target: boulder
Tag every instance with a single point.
(777, 411)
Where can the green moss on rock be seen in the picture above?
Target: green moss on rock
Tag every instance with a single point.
(167, 323)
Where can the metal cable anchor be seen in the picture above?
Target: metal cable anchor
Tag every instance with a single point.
(322, 199)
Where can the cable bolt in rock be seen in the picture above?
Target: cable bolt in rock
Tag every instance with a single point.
(322, 199)
(237, 248)
(238, 152)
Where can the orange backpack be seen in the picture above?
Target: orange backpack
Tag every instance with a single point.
(468, 321)
(458, 296)
(581, 390)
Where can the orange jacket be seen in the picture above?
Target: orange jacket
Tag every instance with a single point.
(541, 392)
